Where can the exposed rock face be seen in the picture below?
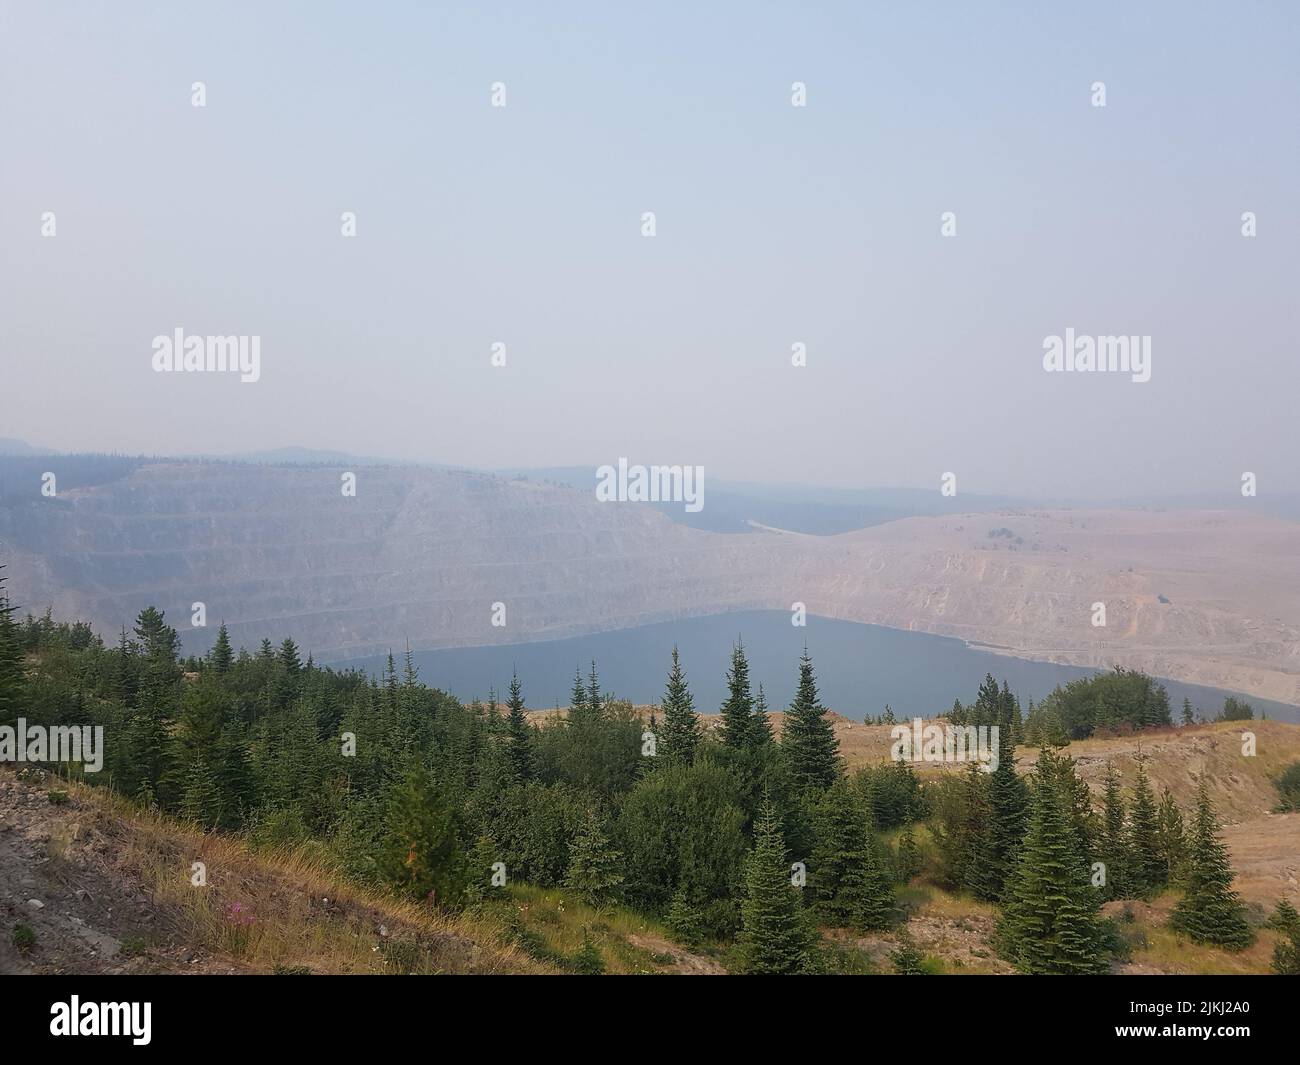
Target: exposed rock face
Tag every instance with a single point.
(423, 554)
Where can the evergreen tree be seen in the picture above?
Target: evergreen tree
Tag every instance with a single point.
(222, 657)
(593, 865)
(775, 937)
(289, 657)
(479, 887)
(519, 748)
(1286, 955)
(685, 920)
(578, 716)
(200, 796)
(681, 728)
(760, 724)
(149, 733)
(588, 961)
(1008, 800)
(1114, 839)
(1210, 911)
(1146, 868)
(1050, 923)
(11, 659)
(906, 957)
(738, 709)
(1171, 841)
(908, 862)
(595, 702)
(812, 753)
(1187, 711)
(848, 880)
(421, 856)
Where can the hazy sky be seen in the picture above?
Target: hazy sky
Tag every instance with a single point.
(775, 225)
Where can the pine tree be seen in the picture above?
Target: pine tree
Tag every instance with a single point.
(1146, 869)
(685, 920)
(906, 957)
(519, 747)
(737, 711)
(760, 725)
(222, 657)
(1187, 711)
(1210, 911)
(1171, 838)
(908, 862)
(289, 657)
(588, 961)
(200, 797)
(11, 659)
(421, 856)
(848, 880)
(1286, 954)
(149, 732)
(1008, 801)
(1050, 923)
(681, 728)
(578, 716)
(1114, 839)
(775, 937)
(479, 873)
(812, 753)
(593, 865)
(595, 702)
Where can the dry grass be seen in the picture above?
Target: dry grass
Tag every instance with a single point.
(286, 908)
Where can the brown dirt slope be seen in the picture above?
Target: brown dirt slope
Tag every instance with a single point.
(104, 888)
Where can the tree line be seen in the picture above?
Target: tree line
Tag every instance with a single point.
(736, 834)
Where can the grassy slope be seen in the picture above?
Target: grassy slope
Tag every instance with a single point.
(303, 915)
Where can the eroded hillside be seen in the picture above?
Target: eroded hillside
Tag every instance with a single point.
(420, 554)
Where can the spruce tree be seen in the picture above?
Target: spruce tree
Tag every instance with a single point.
(808, 743)
(289, 657)
(421, 856)
(1210, 911)
(578, 716)
(851, 887)
(1146, 869)
(1171, 838)
(760, 725)
(681, 728)
(519, 747)
(222, 657)
(1008, 801)
(906, 957)
(908, 862)
(479, 887)
(595, 702)
(11, 659)
(738, 709)
(1187, 711)
(775, 936)
(200, 796)
(1050, 922)
(1114, 839)
(593, 865)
